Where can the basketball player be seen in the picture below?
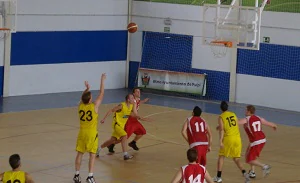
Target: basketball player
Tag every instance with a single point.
(133, 125)
(198, 134)
(15, 175)
(253, 127)
(230, 141)
(122, 112)
(87, 140)
(192, 172)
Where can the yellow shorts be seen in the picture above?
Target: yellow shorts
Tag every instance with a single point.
(232, 147)
(118, 132)
(87, 141)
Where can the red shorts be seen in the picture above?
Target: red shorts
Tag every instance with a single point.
(134, 126)
(254, 152)
(202, 150)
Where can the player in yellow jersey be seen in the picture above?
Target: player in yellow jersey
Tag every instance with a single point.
(121, 114)
(15, 175)
(87, 140)
(230, 141)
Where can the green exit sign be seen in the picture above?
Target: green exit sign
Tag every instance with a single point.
(266, 39)
(166, 29)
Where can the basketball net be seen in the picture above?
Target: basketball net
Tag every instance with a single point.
(220, 48)
(4, 32)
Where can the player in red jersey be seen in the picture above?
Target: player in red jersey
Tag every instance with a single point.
(133, 126)
(253, 127)
(192, 172)
(197, 133)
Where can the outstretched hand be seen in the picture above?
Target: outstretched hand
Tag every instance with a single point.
(87, 85)
(103, 76)
(102, 121)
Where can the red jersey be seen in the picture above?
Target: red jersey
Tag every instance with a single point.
(253, 128)
(193, 173)
(137, 103)
(197, 131)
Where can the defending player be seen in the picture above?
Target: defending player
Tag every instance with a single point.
(87, 140)
(133, 126)
(198, 134)
(15, 175)
(230, 141)
(192, 172)
(253, 127)
(122, 112)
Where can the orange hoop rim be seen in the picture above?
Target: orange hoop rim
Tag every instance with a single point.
(4, 29)
(225, 43)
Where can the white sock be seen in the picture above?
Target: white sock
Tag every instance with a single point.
(125, 153)
(90, 174)
(77, 173)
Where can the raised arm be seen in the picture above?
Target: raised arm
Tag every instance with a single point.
(242, 121)
(178, 177)
(144, 101)
(209, 136)
(184, 130)
(115, 109)
(267, 123)
(28, 178)
(99, 98)
(1, 176)
(221, 131)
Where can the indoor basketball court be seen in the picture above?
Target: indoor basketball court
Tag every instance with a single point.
(43, 129)
(46, 142)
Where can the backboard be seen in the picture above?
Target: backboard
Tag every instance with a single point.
(8, 15)
(239, 25)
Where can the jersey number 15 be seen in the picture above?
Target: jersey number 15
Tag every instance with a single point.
(231, 121)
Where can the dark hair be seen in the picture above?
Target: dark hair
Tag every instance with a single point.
(15, 161)
(133, 90)
(197, 111)
(86, 97)
(251, 109)
(224, 106)
(192, 155)
(127, 96)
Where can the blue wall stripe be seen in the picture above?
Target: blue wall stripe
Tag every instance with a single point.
(217, 87)
(175, 54)
(68, 47)
(133, 70)
(166, 51)
(1, 80)
(275, 61)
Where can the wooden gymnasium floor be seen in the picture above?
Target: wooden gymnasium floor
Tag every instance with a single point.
(46, 139)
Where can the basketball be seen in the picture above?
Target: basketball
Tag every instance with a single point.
(132, 27)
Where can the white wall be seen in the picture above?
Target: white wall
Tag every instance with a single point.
(269, 92)
(67, 15)
(282, 28)
(54, 78)
(55, 15)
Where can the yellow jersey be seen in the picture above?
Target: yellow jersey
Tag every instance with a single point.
(14, 176)
(87, 116)
(230, 124)
(122, 116)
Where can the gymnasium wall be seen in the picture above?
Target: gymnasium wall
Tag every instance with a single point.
(60, 44)
(264, 77)
(1, 66)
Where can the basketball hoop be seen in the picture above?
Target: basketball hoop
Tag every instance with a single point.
(219, 48)
(4, 32)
